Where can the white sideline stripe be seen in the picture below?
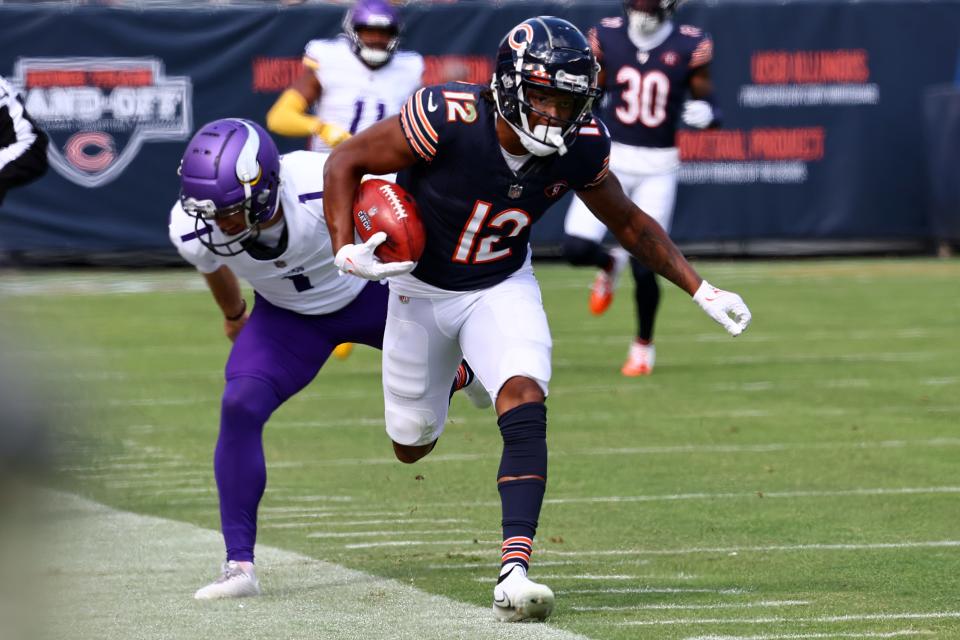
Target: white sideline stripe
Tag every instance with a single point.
(813, 636)
(735, 550)
(705, 607)
(124, 575)
(865, 617)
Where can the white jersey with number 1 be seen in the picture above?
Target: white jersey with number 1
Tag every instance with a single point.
(303, 277)
(354, 96)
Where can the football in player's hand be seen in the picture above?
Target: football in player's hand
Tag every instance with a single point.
(384, 206)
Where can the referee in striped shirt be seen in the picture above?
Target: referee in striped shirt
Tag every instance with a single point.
(23, 145)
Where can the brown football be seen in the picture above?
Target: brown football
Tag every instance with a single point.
(380, 205)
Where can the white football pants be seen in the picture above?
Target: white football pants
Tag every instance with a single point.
(501, 331)
(648, 177)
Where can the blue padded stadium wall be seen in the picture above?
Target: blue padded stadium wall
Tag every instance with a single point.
(822, 148)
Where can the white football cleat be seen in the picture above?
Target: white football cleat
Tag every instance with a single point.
(518, 598)
(234, 582)
(640, 359)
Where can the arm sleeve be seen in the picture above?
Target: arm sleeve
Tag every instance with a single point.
(17, 133)
(289, 116)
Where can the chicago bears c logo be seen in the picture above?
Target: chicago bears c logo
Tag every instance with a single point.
(518, 44)
(99, 112)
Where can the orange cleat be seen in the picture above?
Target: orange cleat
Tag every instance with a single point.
(605, 284)
(640, 360)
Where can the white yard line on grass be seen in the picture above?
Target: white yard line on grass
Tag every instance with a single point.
(813, 636)
(704, 607)
(896, 491)
(480, 544)
(879, 546)
(866, 617)
(656, 450)
(123, 575)
(390, 532)
(675, 590)
(672, 497)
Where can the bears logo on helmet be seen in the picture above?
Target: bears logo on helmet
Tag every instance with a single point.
(549, 54)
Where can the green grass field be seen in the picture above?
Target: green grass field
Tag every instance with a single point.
(797, 482)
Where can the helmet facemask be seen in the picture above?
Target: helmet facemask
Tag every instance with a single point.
(644, 17)
(259, 199)
(568, 77)
(372, 14)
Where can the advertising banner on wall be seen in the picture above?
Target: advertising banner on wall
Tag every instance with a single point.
(822, 103)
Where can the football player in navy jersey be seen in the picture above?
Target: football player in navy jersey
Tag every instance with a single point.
(484, 165)
(653, 74)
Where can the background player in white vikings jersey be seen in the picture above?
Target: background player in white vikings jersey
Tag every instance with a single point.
(648, 67)
(245, 211)
(484, 165)
(349, 83)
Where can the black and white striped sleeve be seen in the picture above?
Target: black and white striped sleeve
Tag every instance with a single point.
(17, 133)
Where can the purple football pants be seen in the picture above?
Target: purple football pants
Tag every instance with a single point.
(277, 353)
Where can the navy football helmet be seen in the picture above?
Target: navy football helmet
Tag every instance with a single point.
(551, 54)
(645, 16)
(372, 14)
(230, 166)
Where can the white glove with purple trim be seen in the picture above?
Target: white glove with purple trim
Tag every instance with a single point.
(725, 307)
(358, 260)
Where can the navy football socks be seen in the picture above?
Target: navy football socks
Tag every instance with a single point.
(522, 478)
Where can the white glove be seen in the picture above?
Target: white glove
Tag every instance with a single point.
(358, 260)
(697, 113)
(725, 307)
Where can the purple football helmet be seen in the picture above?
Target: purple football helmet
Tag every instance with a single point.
(230, 166)
(373, 14)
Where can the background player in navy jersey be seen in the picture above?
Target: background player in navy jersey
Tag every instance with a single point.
(246, 211)
(652, 74)
(348, 83)
(484, 165)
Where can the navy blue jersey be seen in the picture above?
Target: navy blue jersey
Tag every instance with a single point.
(476, 212)
(645, 90)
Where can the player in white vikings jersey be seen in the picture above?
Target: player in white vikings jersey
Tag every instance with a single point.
(245, 211)
(349, 83)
